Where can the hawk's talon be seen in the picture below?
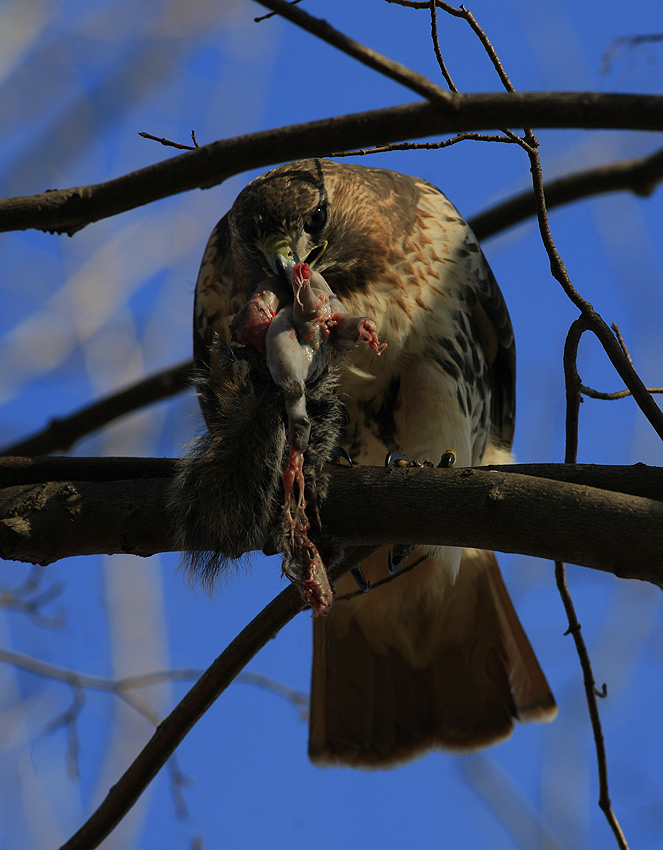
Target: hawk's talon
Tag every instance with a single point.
(337, 454)
(396, 458)
(394, 562)
(360, 579)
(447, 460)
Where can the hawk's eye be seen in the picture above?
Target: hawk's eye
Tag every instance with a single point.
(316, 220)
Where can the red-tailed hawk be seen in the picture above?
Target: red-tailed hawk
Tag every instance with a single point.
(437, 656)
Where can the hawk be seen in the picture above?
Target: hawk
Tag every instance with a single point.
(436, 657)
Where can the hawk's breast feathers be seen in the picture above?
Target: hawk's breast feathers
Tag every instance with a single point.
(397, 250)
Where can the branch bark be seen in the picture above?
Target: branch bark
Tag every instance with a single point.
(492, 508)
(69, 210)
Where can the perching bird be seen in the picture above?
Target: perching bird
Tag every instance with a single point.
(437, 656)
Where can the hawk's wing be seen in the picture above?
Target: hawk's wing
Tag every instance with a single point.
(223, 286)
(492, 330)
(495, 335)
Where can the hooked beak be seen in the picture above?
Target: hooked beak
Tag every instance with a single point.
(281, 258)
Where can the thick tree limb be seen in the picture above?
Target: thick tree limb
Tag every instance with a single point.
(498, 508)
(68, 210)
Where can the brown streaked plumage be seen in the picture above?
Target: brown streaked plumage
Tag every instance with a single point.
(436, 657)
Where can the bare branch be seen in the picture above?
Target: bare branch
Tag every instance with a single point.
(189, 710)
(168, 143)
(572, 384)
(42, 470)
(30, 598)
(385, 66)
(622, 343)
(592, 393)
(573, 389)
(90, 682)
(61, 433)
(69, 210)
(640, 176)
(426, 146)
(630, 41)
(436, 47)
(271, 14)
(635, 480)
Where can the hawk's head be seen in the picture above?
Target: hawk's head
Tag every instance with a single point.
(347, 221)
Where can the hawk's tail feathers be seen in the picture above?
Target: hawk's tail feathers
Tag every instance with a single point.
(441, 665)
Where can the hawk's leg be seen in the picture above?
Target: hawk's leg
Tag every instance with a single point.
(397, 460)
(447, 460)
(337, 454)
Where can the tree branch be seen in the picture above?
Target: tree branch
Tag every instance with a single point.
(61, 433)
(640, 176)
(69, 210)
(184, 716)
(497, 508)
(191, 708)
(367, 56)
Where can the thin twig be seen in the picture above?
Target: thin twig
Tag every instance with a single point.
(632, 41)
(88, 681)
(436, 48)
(572, 386)
(385, 66)
(426, 146)
(120, 687)
(592, 393)
(508, 802)
(620, 340)
(590, 695)
(29, 598)
(167, 142)
(271, 14)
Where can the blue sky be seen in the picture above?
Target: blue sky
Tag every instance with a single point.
(81, 317)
